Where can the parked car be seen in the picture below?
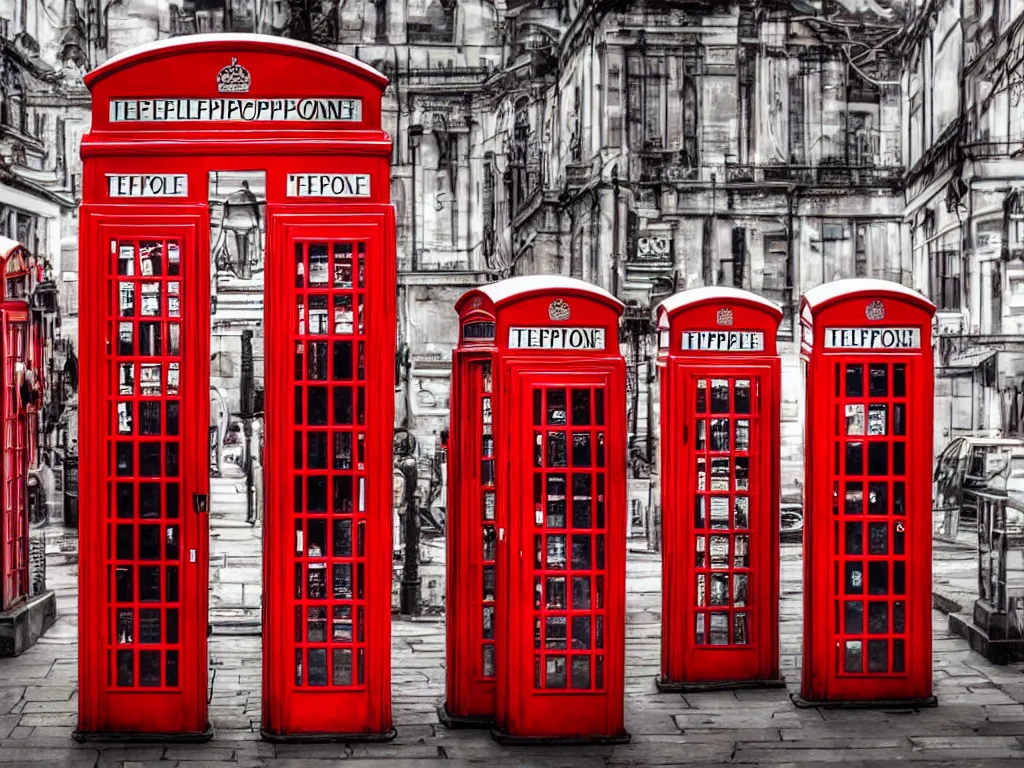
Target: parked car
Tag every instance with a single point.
(966, 465)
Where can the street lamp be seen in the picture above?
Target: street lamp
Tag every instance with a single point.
(415, 138)
(409, 596)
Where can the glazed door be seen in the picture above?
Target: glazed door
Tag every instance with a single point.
(725, 490)
(569, 551)
(144, 420)
(14, 526)
(328, 554)
(870, 615)
(472, 655)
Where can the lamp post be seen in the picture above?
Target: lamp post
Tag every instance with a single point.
(247, 397)
(409, 596)
(415, 137)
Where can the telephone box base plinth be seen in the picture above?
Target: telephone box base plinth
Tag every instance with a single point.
(570, 741)
(462, 722)
(327, 738)
(669, 686)
(802, 703)
(998, 651)
(90, 737)
(24, 624)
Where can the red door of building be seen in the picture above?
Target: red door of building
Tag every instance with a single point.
(471, 527)
(867, 532)
(14, 525)
(253, 154)
(720, 489)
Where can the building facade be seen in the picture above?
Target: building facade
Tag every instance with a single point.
(645, 148)
(963, 82)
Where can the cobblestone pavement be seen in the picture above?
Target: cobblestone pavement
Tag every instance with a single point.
(979, 720)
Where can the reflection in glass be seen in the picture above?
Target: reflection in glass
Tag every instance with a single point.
(853, 659)
(719, 628)
(556, 407)
(720, 434)
(740, 632)
(855, 419)
(741, 517)
(702, 396)
(555, 672)
(878, 655)
(580, 407)
(719, 396)
(555, 630)
(719, 512)
(742, 435)
(719, 589)
(555, 593)
(853, 617)
(741, 396)
(581, 672)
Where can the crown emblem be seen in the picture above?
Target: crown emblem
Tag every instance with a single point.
(874, 311)
(476, 303)
(724, 317)
(234, 78)
(558, 310)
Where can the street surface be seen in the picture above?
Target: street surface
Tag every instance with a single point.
(979, 720)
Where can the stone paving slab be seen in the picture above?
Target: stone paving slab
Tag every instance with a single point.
(980, 720)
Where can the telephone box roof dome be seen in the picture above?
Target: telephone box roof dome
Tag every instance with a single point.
(519, 287)
(233, 40)
(713, 293)
(821, 296)
(8, 246)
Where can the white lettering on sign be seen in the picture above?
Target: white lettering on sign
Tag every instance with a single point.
(872, 338)
(236, 110)
(722, 341)
(328, 185)
(556, 338)
(147, 185)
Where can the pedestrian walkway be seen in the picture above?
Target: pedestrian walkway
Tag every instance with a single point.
(979, 720)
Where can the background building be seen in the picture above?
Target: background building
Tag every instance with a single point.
(963, 82)
(765, 144)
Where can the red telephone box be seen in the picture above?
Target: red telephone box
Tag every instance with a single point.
(471, 529)
(558, 387)
(866, 348)
(16, 444)
(212, 158)
(720, 391)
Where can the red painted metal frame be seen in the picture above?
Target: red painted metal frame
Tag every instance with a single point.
(523, 714)
(835, 520)
(187, 68)
(686, 663)
(471, 529)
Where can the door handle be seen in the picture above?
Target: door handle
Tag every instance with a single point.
(199, 503)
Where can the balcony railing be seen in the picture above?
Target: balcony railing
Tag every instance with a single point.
(576, 175)
(823, 175)
(984, 150)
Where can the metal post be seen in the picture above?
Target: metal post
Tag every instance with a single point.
(409, 596)
(248, 392)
